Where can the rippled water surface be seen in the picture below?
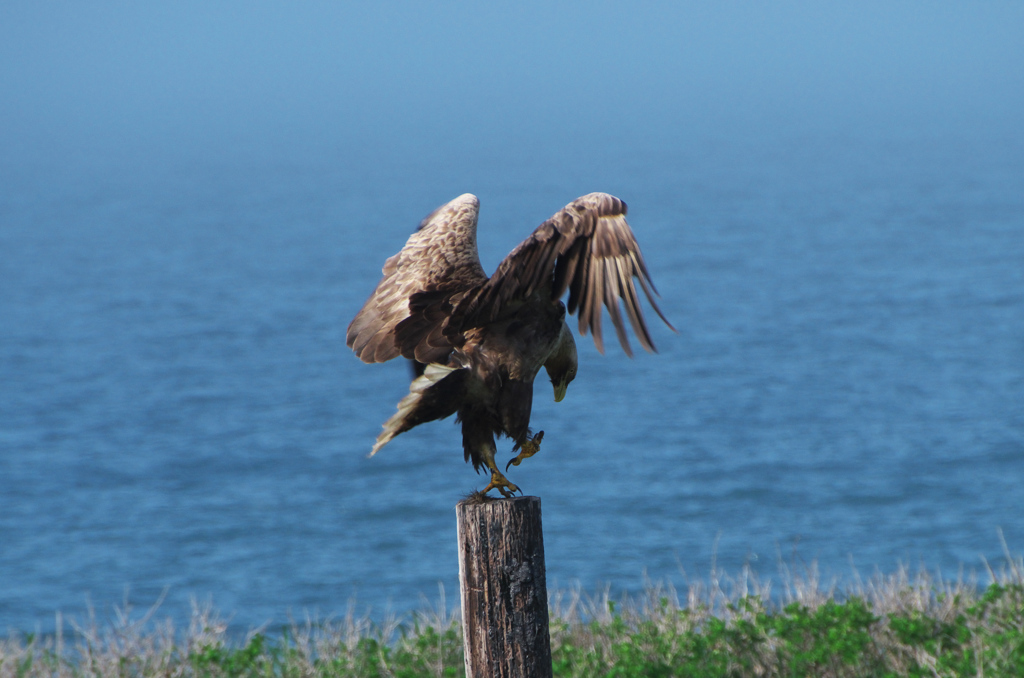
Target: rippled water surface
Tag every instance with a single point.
(180, 411)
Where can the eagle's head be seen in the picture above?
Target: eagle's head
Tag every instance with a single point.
(561, 364)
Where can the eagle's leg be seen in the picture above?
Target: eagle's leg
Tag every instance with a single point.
(528, 448)
(498, 481)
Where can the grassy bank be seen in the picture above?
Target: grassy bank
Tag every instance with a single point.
(893, 625)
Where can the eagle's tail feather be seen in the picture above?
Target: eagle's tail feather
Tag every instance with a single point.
(434, 395)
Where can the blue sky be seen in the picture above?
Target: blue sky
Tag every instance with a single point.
(193, 80)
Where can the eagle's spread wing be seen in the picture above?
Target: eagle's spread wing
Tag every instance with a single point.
(587, 248)
(410, 308)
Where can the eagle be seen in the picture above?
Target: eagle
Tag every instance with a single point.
(481, 340)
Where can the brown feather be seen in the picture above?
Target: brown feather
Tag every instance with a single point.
(587, 248)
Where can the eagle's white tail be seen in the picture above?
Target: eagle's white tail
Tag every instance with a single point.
(398, 422)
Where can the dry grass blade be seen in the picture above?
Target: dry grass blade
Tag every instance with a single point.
(901, 623)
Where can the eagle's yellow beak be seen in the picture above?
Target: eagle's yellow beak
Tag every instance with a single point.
(560, 389)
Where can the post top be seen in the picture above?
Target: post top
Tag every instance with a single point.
(477, 499)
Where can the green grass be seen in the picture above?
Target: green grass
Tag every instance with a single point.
(894, 625)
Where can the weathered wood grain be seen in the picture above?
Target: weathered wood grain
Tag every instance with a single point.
(504, 592)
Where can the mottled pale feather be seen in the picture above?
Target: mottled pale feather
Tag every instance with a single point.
(440, 257)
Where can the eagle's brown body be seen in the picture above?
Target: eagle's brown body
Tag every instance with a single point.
(484, 339)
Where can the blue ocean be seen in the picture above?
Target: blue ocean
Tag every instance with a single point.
(181, 413)
(180, 419)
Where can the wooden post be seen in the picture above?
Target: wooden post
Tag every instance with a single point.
(504, 593)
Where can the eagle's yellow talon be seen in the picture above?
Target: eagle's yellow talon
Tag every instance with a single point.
(529, 448)
(501, 484)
